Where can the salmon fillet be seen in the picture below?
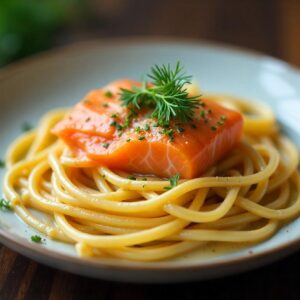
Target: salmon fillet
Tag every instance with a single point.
(91, 130)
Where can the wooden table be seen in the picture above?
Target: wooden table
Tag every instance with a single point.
(269, 26)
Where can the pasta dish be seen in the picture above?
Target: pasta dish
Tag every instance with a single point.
(149, 171)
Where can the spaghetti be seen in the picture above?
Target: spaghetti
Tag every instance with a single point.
(244, 198)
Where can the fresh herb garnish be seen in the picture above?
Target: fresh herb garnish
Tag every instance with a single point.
(113, 123)
(115, 115)
(147, 127)
(108, 94)
(169, 133)
(173, 181)
(131, 177)
(36, 239)
(5, 205)
(141, 138)
(128, 140)
(105, 145)
(179, 129)
(137, 129)
(2, 163)
(26, 127)
(213, 128)
(167, 96)
(104, 104)
(128, 119)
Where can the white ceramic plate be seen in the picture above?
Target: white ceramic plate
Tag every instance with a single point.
(62, 78)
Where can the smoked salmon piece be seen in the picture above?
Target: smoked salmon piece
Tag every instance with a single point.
(99, 131)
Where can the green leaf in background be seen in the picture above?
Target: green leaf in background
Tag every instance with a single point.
(28, 26)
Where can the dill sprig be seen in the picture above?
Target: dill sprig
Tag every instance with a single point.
(166, 95)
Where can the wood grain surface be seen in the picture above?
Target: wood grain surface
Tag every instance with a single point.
(272, 27)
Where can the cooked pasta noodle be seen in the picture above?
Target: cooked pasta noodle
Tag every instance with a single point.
(244, 198)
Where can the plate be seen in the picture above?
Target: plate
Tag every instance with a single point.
(62, 77)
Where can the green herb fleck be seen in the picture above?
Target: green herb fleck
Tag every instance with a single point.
(179, 129)
(223, 118)
(137, 129)
(202, 114)
(128, 140)
(193, 126)
(105, 145)
(26, 127)
(131, 177)
(2, 163)
(141, 138)
(5, 205)
(114, 115)
(173, 181)
(113, 123)
(169, 133)
(119, 127)
(213, 128)
(209, 111)
(36, 239)
(104, 104)
(108, 94)
(147, 127)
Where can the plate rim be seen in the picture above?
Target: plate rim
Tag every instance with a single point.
(17, 243)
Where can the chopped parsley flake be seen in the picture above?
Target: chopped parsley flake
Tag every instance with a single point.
(26, 127)
(104, 104)
(193, 126)
(108, 94)
(147, 127)
(179, 129)
(2, 163)
(213, 128)
(114, 115)
(105, 145)
(131, 177)
(113, 123)
(128, 140)
(36, 239)
(5, 205)
(169, 133)
(173, 181)
(141, 138)
(119, 127)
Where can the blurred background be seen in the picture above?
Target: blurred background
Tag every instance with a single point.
(31, 26)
